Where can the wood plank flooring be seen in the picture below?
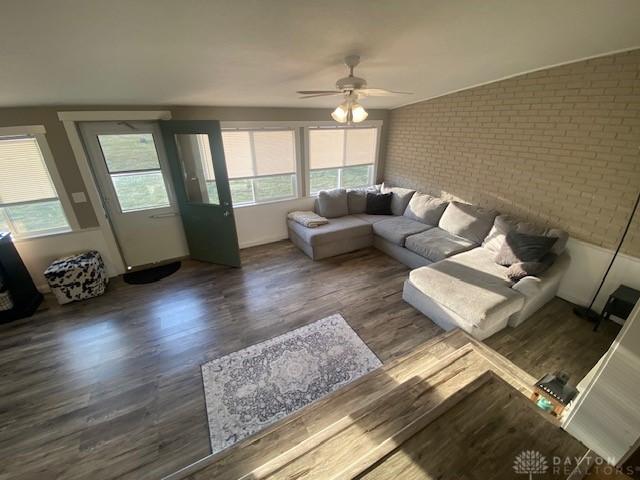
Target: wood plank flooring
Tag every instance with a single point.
(111, 387)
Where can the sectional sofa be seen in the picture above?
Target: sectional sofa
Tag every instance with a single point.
(450, 247)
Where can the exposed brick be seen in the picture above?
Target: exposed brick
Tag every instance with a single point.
(559, 147)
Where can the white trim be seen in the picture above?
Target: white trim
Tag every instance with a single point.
(538, 69)
(63, 196)
(22, 130)
(92, 191)
(294, 124)
(114, 115)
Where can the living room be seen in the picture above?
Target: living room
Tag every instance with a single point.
(226, 251)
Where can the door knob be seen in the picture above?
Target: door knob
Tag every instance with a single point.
(227, 213)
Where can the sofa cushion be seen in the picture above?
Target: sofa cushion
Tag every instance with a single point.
(400, 199)
(437, 244)
(333, 203)
(397, 229)
(425, 208)
(378, 203)
(520, 247)
(357, 199)
(472, 285)
(504, 224)
(373, 218)
(467, 221)
(338, 229)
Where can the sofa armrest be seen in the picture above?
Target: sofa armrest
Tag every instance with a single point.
(531, 286)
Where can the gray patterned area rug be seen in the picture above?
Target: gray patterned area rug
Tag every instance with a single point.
(250, 389)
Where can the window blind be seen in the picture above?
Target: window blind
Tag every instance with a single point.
(253, 153)
(340, 147)
(24, 174)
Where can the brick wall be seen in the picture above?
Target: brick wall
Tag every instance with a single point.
(558, 147)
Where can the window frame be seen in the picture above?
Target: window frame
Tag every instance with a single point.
(38, 132)
(377, 124)
(297, 176)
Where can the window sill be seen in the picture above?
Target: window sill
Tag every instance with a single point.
(272, 202)
(37, 236)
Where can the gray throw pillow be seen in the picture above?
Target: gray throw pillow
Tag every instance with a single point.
(333, 203)
(467, 221)
(518, 271)
(520, 247)
(561, 235)
(357, 199)
(425, 208)
(400, 199)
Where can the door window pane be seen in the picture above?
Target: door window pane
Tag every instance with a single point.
(198, 174)
(37, 217)
(323, 179)
(353, 177)
(140, 191)
(273, 188)
(126, 152)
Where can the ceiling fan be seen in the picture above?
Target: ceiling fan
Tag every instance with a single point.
(353, 88)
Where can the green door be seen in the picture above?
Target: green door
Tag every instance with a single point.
(196, 160)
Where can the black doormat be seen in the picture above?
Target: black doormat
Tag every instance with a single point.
(152, 274)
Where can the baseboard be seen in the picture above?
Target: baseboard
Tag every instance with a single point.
(263, 241)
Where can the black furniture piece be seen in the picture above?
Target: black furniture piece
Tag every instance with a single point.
(620, 304)
(17, 280)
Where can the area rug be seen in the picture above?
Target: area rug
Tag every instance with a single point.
(250, 389)
(152, 274)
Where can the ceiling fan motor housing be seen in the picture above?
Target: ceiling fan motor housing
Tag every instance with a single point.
(351, 83)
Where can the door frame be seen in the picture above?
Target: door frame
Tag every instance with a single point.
(70, 120)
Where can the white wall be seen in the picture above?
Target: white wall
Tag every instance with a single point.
(37, 253)
(588, 264)
(606, 416)
(266, 223)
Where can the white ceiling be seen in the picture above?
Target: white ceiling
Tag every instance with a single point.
(259, 52)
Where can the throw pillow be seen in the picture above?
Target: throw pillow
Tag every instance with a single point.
(357, 199)
(518, 271)
(520, 247)
(379, 203)
(333, 203)
(425, 208)
(467, 221)
(400, 199)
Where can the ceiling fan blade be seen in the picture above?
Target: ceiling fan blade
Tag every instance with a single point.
(316, 92)
(322, 95)
(381, 92)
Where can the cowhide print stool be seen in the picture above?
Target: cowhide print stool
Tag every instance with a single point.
(77, 277)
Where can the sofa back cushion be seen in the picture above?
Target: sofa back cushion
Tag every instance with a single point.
(400, 199)
(467, 221)
(379, 203)
(425, 208)
(506, 223)
(357, 199)
(333, 203)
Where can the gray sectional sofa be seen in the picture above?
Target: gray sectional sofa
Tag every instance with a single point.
(449, 246)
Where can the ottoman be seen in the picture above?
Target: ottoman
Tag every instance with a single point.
(77, 277)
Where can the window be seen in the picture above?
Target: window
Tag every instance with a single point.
(29, 203)
(341, 157)
(132, 163)
(261, 164)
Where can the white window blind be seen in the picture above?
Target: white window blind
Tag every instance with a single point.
(257, 153)
(24, 174)
(340, 147)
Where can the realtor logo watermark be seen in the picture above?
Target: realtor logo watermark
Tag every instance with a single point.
(532, 463)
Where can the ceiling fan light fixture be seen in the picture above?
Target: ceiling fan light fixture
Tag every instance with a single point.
(358, 113)
(341, 113)
(349, 112)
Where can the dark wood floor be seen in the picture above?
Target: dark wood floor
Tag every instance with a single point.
(111, 387)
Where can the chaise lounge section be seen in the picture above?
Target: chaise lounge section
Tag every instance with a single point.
(451, 248)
